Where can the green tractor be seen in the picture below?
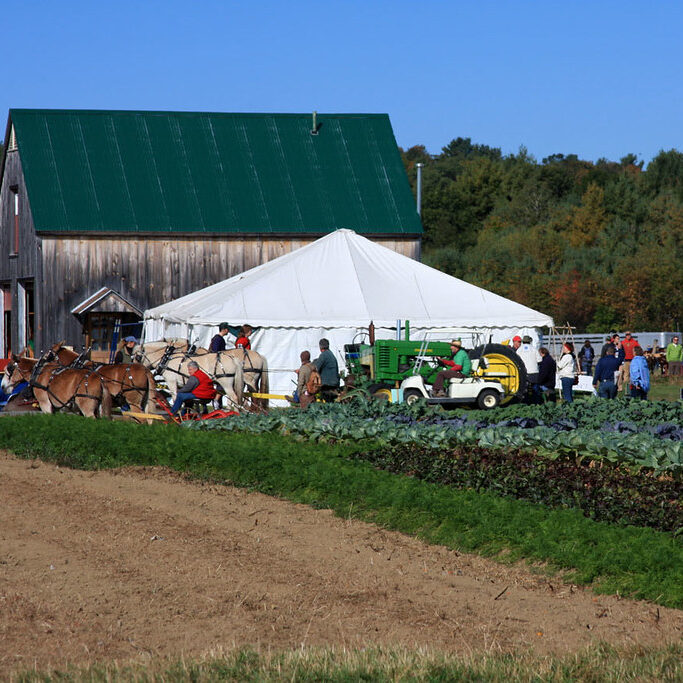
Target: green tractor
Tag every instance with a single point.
(401, 370)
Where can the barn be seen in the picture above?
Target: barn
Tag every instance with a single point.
(104, 214)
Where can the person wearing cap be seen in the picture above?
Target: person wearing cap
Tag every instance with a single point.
(125, 353)
(516, 342)
(218, 342)
(530, 357)
(459, 366)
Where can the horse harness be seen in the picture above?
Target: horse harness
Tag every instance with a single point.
(80, 361)
(37, 370)
(218, 373)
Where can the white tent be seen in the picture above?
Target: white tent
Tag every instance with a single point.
(333, 288)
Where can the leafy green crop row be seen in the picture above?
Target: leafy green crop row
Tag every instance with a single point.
(609, 494)
(538, 464)
(432, 428)
(590, 413)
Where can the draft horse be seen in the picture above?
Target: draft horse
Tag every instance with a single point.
(255, 370)
(131, 382)
(170, 361)
(56, 387)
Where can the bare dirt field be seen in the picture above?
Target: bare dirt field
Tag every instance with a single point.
(138, 563)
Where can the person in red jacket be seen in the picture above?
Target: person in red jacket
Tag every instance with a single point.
(242, 342)
(198, 385)
(628, 345)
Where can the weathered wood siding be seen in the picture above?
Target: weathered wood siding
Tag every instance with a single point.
(25, 264)
(149, 271)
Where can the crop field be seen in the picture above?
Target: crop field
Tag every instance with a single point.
(392, 543)
(639, 433)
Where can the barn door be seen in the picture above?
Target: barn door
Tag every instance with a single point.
(6, 320)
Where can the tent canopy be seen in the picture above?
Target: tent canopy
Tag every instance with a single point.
(346, 280)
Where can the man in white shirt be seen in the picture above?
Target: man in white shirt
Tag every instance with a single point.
(530, 357)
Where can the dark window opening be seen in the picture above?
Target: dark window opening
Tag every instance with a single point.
(104, 332)
(14, 189)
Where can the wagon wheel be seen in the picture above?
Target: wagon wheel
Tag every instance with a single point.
(502, 365)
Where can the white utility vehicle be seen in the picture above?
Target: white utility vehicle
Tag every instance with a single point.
(473, 390)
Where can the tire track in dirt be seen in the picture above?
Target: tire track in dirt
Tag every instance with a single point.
(143, 562)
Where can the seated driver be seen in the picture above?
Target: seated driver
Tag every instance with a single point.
(198, 386)
(459, 366)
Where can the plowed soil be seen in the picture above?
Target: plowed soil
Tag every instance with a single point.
(141, 562)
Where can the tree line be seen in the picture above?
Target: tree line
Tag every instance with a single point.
(598, 244)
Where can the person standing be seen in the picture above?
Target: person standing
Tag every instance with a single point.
(628, 345)
(566, 371)
(674, 357)
(640, 375)
(530, 357)
(302, 397)
(242, 342)
(586, 357)
(609, 341)
(603, 379)
(326, 364)
(544, 389)
(218, 342)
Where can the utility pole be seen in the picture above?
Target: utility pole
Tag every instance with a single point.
(419, 166)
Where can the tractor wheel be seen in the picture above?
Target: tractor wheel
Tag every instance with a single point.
(380, 391)
(488, 399)
(412, 396)
(505, 366)
(382, 395)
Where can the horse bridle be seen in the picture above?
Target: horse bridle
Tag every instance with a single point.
(141, 356)
(12, 366)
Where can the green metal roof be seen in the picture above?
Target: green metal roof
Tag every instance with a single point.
(136, 171)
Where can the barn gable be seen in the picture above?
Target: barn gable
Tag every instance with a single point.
(223, 174)
(105, 300)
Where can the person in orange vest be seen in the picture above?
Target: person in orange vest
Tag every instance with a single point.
(198, 386)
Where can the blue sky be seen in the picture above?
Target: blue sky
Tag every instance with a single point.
(598, 79)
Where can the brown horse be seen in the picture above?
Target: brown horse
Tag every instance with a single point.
(131, 382)
(56, 387)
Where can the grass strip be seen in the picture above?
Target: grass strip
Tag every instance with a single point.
(599, 663)
(631, 561)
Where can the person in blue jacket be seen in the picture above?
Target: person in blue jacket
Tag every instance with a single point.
(218, 341)
(640, 375)
(603, 379)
